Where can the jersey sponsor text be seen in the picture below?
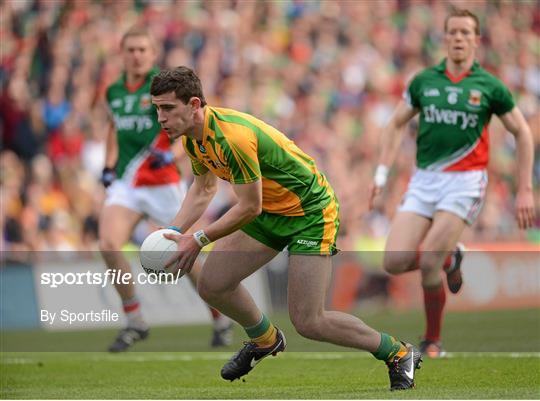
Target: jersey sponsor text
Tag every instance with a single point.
(450, 117)
(133, 122)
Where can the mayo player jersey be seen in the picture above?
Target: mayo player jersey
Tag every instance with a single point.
(239, 148)
(137, 132)
(454, 116)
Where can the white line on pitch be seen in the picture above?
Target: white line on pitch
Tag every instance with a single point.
(221, 356)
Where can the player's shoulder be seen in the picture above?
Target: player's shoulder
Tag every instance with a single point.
(426, 76)
(428, 73)
(231, 121)
(487, 76)
(115, 87)
(229, 115)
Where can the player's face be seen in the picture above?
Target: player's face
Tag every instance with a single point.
(461, 39)
(175, 117)
(139, 55)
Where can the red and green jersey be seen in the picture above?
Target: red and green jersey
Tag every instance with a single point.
(138, 131)
(454, 116)
(241, 149)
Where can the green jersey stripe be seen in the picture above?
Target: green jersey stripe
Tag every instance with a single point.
(245, 165)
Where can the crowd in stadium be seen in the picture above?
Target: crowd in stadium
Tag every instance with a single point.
(328, 74)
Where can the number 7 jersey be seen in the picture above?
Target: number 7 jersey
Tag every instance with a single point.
(137, 132)
(454, 116)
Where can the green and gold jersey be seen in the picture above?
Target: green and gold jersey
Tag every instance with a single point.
(241, 149)
(137, 132)
(454, 116)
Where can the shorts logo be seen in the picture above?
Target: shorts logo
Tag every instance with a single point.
(308, 243)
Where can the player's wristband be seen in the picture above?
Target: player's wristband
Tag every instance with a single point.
(201, 238)
(381, 175)
(175, 228)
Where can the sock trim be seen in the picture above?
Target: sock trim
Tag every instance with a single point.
(131, 304)
(388, 348)
(259, 329)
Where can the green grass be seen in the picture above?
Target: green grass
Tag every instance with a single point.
(290, 375)
(480, 364)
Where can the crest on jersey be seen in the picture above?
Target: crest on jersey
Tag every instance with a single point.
(475, 97)
(145, 102)
(202, 148)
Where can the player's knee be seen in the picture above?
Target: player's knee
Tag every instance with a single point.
(306, 325)
(430, 262)
(308, 328)
(398, 262)
(206, 292)
(108, 245)
(211, 291)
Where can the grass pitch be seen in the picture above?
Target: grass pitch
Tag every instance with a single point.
(492, 355)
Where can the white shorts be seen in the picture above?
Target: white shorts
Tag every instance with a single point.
(160, 202)
(458, 192)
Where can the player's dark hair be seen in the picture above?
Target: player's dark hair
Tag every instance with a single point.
(138, 30)
(460, 12)
(182, 81)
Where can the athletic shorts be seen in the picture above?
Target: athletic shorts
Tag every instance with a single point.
(161, 203)
(461, 193)
(312, 234)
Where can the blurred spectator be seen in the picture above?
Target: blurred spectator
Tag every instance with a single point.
(327, 73)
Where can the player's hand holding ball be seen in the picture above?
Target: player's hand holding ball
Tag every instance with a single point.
(188, 250)
(157, 252)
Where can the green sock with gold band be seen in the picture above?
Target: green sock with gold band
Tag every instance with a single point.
(263, 333)
(389, 348)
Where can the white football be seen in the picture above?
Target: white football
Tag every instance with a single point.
(156, 251)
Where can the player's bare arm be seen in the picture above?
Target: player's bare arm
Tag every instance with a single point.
(108, 174)
(248, 207)
(111, 146)
(199, 195)
(391, 137)
(514, 122)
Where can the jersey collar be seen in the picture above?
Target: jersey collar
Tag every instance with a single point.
(441, 67)
(207, 130)
(133, 88)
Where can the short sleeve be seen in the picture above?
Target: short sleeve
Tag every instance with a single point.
(502, 102)
(411, 93)
(197, 167)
